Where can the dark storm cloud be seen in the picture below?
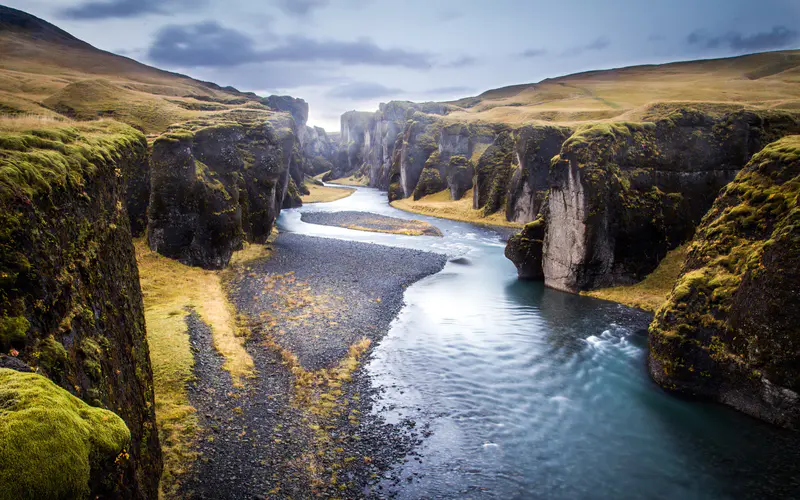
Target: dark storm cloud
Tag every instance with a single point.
(531, 53)
(363, 90)
(779, 37)
(301, 7)
(209, 44)
(597, 45)
(119, 9)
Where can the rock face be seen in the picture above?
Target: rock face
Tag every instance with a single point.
(215, 185)
(535, 147)
(524, 249)
(622, 195)
(730, 330)
(70, 301)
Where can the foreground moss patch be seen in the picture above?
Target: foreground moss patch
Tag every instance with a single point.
(51, 441)
(651, 292)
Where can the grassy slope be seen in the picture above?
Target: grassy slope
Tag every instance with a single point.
(46, 71)
(353, 180)
(441, 205)
(767, 80)
(323, 194)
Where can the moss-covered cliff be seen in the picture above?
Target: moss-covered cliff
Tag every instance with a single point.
(217, 183)
(623, 194)
(730, 329)
(70, 302)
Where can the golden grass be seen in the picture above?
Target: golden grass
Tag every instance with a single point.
(325, 194)
(353, 180)
(170, 290)
(24, 122)
(441, 205)
(650, 293)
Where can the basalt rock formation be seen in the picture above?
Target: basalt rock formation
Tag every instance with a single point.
(216, 184)
(621, 195)
(70, 302)
(730, 330)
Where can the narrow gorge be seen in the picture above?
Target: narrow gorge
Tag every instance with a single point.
(559, 289)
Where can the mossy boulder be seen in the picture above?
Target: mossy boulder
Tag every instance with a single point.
(68, 275)
(53, 445)
(624, 194)
(729, 329)
(395, 192)
(216, 184)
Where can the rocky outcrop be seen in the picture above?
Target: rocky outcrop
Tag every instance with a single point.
(525, 248)
(730, 328)
(70, 302)
(622, 194)
(217, 184)
(535, 147)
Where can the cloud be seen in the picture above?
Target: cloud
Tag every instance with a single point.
(208, 44)
(301, 7)
(362, 90)
(448, 91)
(461, 62)
(531, 53)
(596, 45)
(779, 37)
(119, 9)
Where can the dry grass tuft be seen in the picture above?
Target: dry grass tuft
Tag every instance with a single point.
(441, 205)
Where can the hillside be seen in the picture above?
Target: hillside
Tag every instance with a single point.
(46, 71)
(767, 80)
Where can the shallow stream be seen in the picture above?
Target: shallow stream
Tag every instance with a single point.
(534, 393)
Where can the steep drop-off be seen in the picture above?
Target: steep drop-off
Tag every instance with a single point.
(216, 184)
(621, 195)
(70, 302)
(730, 330)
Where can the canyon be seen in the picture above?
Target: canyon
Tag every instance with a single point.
(110, 168)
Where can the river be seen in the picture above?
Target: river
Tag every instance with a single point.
(535, 393)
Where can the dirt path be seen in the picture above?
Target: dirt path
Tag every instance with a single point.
(303, 428)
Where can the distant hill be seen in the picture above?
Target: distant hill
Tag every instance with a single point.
(766, 80)
(45, 70)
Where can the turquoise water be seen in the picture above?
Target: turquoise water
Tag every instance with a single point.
(534, 393)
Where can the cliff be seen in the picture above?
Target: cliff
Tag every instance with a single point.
(621, 195)
(729, 330)
(218, 183)
(70, 302)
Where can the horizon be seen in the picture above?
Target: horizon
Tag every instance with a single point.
(352, 64)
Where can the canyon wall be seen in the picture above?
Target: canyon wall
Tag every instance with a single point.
(216, 184)
(730, 329)
(70, 302)
(621, 195)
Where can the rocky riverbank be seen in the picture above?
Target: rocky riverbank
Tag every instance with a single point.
(365, 221)
(302, 425)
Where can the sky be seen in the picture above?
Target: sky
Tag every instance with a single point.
(341, 55)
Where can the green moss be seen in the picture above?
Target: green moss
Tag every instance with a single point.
(50, 440)
(12, 331)
(37, 161)
(52, 355)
